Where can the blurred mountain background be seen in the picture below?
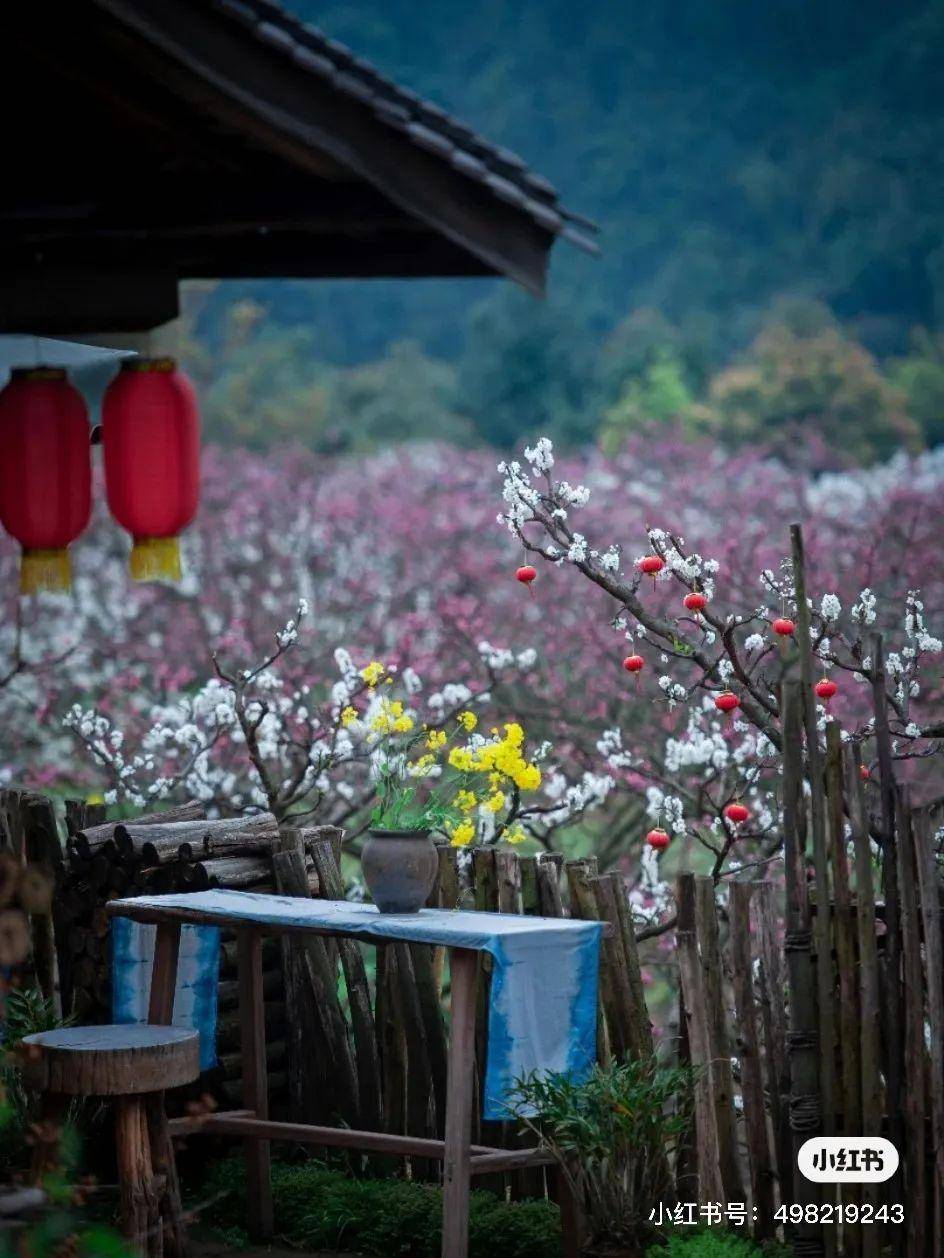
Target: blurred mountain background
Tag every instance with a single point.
(769, 183)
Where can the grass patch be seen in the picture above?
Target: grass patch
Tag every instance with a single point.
(321, 1208)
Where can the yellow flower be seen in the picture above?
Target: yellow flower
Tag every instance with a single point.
(373, 673)
(403, 724)
(528, 778)
(465, 800)
(348, 716)
(468, 721)
(496, 802)
(514, 735)
(435, 739)
(461, 758)
(515, 836)
(463, 834)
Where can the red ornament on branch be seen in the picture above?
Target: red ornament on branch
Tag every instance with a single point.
(634, 664)
(658, 838)
(864, 773)
(727, 701)
(651, 565)
(825, 689)
(783, 626)
(526, 575)
(696, 601)
(151, 435)
(45, 472)
(736, 813)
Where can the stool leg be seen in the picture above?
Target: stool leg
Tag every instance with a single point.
(165, 1168)
(140, 1207)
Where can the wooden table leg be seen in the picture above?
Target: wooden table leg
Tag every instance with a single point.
(153, 1119)
(459, 1086)
(255, 1081)
(164, 974)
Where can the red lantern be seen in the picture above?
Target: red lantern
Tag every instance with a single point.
(151, 435)
(45, 472)
(825, 689)
(783, 626)
(658, 839)
(695, 602)
(651, 565)
(633, 663)
(526, 574)
(727, 701)
(736, 813)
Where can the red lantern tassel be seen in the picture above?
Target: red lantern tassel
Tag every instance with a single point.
(155, 559)
(45, 570)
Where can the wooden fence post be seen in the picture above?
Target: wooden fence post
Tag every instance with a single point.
(913, 1154)
(752, 1085)
(890, 972)
(710, 1186)
(722, 1079)
(773, 1017)
(869, 1005)
(802, 1037)
(314, 980)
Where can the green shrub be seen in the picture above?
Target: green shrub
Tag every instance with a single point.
(27, 1012)
(613, 1136)
(705, 1244)
(317, 1207)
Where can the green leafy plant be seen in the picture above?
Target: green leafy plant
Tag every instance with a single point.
(317, 1207)
(704, 1243)
(27, 1012)
(613, 1136)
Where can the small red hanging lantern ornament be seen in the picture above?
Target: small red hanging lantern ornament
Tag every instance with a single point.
(864, 773)
(45, 472)
(737, 813)
(651, 565)
(783, 626)
(696, 601)
(658, 838)
(727, 701)
(526, 575)
(151, 436)
(825, 689)
(634, 664)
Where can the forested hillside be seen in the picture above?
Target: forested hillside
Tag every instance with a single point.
(755, 170)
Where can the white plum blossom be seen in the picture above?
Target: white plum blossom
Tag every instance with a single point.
(864, 609)
(830, 608)
(541, 455)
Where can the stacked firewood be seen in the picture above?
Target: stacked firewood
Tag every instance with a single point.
(175, 850)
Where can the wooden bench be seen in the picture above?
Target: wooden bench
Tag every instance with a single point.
(135, 1065)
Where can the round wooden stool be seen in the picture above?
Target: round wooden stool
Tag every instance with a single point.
(134, 1064)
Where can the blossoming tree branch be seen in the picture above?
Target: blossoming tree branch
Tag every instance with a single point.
(727, 664)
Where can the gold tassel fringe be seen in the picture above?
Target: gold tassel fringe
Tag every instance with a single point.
(155, 559)
(45, 570)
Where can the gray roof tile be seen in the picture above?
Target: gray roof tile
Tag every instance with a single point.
(504, 173)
